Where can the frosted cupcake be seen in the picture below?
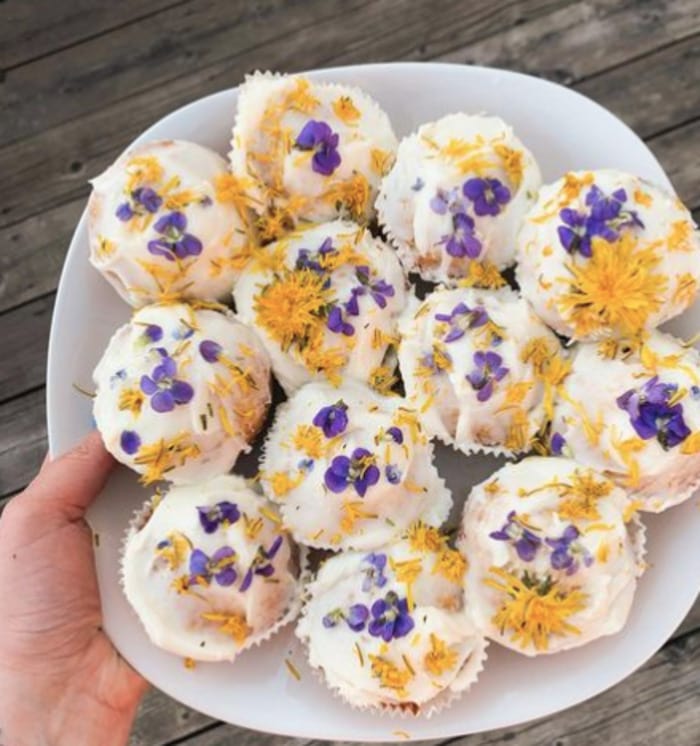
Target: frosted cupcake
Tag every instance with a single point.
(209, 571)
(456, 195)
(553, 564)
(633, 412)
(393, 630)
(167, 221)
(309, 151)
(604, 253)
(325, 301)
(350, 468)
(480, 368)
(180, 392)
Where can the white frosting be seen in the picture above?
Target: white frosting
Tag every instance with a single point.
(284, 179)
(352, 660)
(435, 163)
(593, 595)
(598, 429)
(647, 275)
(289, 303)
(396, 484)
(210, 409)
(186, 179)
(215, 615)
(442, 365)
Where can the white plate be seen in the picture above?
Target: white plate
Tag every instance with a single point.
(565, 131)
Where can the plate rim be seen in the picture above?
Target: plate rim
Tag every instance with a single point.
(73, 255)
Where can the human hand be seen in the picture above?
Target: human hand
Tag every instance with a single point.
(61, 680)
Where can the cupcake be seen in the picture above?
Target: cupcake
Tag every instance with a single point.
(480, 368)
(309, 151)
(351, 469)
(553, 564)
(632, 411)
(604, 253)
(166, 221)
(456, 195)
(393, 630)
(325, 301)
(180, 392)
(209, 571)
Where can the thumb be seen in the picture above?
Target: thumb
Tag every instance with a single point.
(74, 480)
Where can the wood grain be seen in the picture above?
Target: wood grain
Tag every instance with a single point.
(80, 78)
(29, 30)
(643, 710)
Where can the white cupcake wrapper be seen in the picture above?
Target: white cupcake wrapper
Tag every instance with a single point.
(678, 496)
(638, 534)
(138, 521)
(368, 105)
(465, 678)
(436, 486)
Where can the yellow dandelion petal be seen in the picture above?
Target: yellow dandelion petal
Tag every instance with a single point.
(618, 288)
(440, 658)
(345, 110)
(534, 611)
(234, 625)
(309, 440)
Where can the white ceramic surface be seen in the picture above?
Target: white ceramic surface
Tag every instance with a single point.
(565, 131)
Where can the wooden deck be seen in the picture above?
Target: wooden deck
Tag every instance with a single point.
(80, 78)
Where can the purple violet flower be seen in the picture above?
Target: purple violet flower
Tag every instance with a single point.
(390, 618)
(605, 218)
(165, 390)
(374, 574)
(556, 444)
(359, 471)
(307, 259)
(220, 567)
(489, 369)
(320, 138)
(460, 319)
(212, 516)
(210, 350)
(395, 434)
(332, 419)
(337, 324)
(525, 542)
(357, 617)
(651, 415)
(393, 475)
(153, 333)
(261, 564)
(174, 241)
(487, 195)
(141, 201)
(462, 241)
(565, 551)
(130, 442)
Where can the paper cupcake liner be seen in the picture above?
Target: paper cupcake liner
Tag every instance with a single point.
(638, 536)
(669, 498)
(436, 486)
(140, 518)
(368, 105)
(464, 679)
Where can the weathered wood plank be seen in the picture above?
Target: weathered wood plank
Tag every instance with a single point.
(34, 246)
(655, 93)
(66, 155)
(33, 253)
(33, 29)
(24, 332)
(677, 152)
(580, 41)
(22, 440)
(161, 719)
